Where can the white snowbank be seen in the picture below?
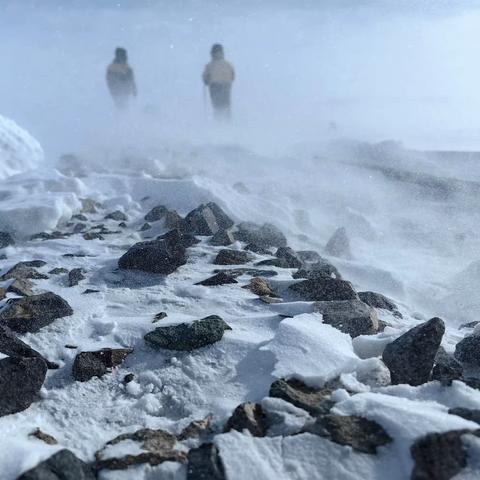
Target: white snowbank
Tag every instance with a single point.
(314, 352)
(19, 151)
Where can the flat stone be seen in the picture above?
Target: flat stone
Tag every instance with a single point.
(252, 272)
(218, 279)
(324, 289)
(188, 336)
(349, 316)
(22, 271)
(359, 433)
(96, 364)
(30, 314)
(44, 437)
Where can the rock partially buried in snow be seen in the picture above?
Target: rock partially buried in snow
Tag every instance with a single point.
(468, 350)
(315, 401)
(377, 300)
(75, 276)
(319, 269)
(439, 456)
(349, 316)
(204, 463)
(339, 244)
(266, 235)
(157, 256)
(96, 364)
(176, 235)
(446, 368)
(156, 213)
(30, 314)
(63, 465)
(218, 279)
(259, 286)
(324, 289)
(20, 381)
(466, 413)
(188, 336)
(232, 257)
(6, 239)
(248, 416)
(290, 257)
(117, 215)
(411, 356)
(222, 238)
(361, 434)
(207, 220)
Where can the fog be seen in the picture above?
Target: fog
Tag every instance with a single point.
(407, 70)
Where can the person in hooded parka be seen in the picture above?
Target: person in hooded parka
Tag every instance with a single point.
(121, 80)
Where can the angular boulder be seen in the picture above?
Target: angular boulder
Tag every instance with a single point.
(162, 256)
(265, 236)
(411, 356)
(359, 433)
(232, 257)
(30, 314)
(63, 465)
(117, 215)
(218, 279)
(467, 351)
(222, 238)
(96, 364)
(178, 236)
(75, 276)
(248, 416)
(377, 300)
(339, 244)
(349, 316)
(290, 257)
(319, 269)
(314, 401)
(259, 286)
(20, 381)
(439, 456)
(188, 336)
(324, 289)
(207, 220)
(205, 463)
(6, 239)
(447, 368)
(156, 213)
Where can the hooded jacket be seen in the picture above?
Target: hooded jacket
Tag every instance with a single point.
(218, 71)
(120, 79)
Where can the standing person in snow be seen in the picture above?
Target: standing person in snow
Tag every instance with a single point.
(120, 79)
(218, 76)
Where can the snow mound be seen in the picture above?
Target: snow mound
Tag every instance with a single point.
(19, 151)
(312, 351)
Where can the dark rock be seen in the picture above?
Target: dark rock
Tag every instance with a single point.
(218, 279)
(222, 238)
(145, 227)
(58, 271)
(252, 272)
(466, 413)
(196, 428)
(309, 256)
(122, 225)
(6, 240)
(253, 247)
(176, 235)
(14, 347)
(339, 244)
(188, 336)
(361, 434)
(324, 289)
(349, 316)
(44, 437)
(80, 217)
(63, 465)
(320, 269)
(472, 382)
(88, 291)
(290, 257)
(248, 416)
(314, 401)
(75, 276)
(48, 236)
(29, 314)
(411, 356)
(156, 256)
(469, 325)
(159, 316)
(377, 300)
(264, 236)
(23, 270)
(3, 293)
(95, 364)
(156, 213)
(93, 236)
(207, 220)
(174, 221)
(446, 368)
(204, 463)
(273, 262)
(439, 456)
(232, 257)
(117, 215)
(259, 286)
(468, 350)
(34, 263)
(20, 381)
(79, 227)
(128, 378)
